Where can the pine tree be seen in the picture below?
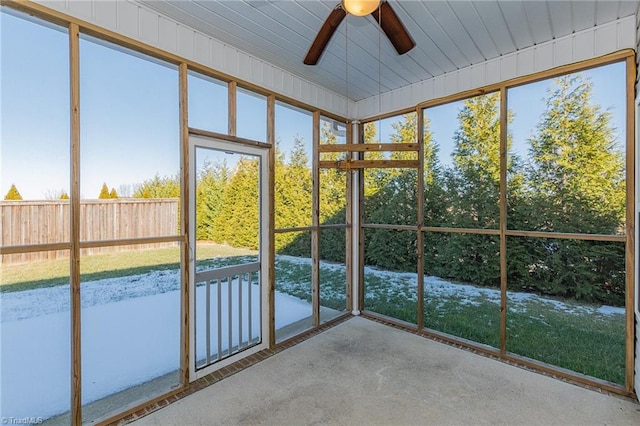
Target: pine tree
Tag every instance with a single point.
(13, 193)
(159, 187)
(473, 193)
(333, 182)
(333, 192)
(237, 224)
(293, 188)
(576, 183)
(395, 201)
(212, 180)
(113, 193)
(104, 192)
(577, 172)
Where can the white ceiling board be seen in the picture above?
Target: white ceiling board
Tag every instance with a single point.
(360, 62)
(445, 15)
(539, 19)
(468, 16)
(584, 14)
(517, 21)
(492, 17)
(560, 17)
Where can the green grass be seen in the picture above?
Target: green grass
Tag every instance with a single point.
(49, 273)
(479, 322)
(579, 338)
(294, 277)
(591, 344)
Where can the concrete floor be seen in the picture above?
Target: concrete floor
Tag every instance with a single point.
(365, 373)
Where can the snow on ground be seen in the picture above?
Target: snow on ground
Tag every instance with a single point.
(467, 294)
(130, 335)
(130, 329)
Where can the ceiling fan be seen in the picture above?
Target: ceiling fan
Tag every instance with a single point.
(381, 12)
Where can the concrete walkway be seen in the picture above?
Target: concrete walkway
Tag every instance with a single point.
(364, 373)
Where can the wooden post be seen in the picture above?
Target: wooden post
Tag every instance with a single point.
(315, 222)
(184, 226)
(503, 220)
(360, 229)
(349, 237)
(76, 306)
(271, 255)
(630, 227)
(420, 219)
(232, 106)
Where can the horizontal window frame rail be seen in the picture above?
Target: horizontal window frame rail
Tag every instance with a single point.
(369, 147)
(312, 228)
(453, 230)
(335, 226)
(567, 236)
(389, 226)
(132, 241)
(509, 233)
(296, 229)
(229, 138)
(35, 248)
(369, 164)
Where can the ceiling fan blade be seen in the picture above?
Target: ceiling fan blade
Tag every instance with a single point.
(393, 28)
(324, 35)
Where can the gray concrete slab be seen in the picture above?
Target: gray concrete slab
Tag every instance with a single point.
(365, 373)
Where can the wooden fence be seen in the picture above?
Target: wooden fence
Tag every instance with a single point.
(44, 222)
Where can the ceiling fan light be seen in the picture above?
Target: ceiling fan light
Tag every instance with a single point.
(360, 7)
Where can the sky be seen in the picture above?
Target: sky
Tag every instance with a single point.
(129, 113)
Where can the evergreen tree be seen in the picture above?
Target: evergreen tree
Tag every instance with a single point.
(394, 200)
(577, 172)
(13, 193)
(211, 185)
(293, 187)
(473, 194)
(333, 182)
(333, 192)
(113, 193)
(575, 183)
(104, 192)
(159, 187)
(237, 223)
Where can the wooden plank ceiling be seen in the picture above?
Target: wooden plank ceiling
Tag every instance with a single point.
(449, 35)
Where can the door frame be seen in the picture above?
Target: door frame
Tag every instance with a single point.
(197, 141)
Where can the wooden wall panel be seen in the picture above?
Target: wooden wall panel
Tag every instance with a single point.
(128, 21)
(106, 13)
(149, 25)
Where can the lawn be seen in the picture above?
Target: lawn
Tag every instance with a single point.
(584, 338)
(49, 273)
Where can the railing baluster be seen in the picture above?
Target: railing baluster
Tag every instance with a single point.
(219, 283)
(250, 307)
(240, 282)
(219, 276)
(229, 308)
(208, 320)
